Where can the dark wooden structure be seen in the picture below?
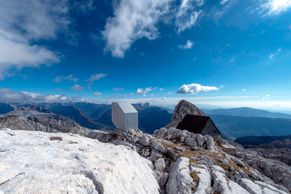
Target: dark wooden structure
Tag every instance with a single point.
(199, 124)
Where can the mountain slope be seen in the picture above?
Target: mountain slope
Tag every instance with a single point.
(5, 108)
(31, 120)
(73, 113)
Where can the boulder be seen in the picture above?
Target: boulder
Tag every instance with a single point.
(144, 140)
(180, 181)
(160, 164)
(191, 142)
(210, 144)
(157, 146)
(199, 140)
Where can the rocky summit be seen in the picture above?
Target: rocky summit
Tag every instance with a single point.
(181, 110)
(170, 161)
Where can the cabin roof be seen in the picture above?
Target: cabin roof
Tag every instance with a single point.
(194, 123)
(126, 107)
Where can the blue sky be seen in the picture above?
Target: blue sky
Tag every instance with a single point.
(224, 53)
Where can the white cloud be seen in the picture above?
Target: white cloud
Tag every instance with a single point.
(66, 78)
(24, 22)
(274, 54)
(143, 91)
(95, 77)
(188, 14)
(77, 87)
(97, 93)
(133, 20)
(274, 7)
(187, 45)
(266, 97)
(223, 2)
(195, 88)
(7, 95)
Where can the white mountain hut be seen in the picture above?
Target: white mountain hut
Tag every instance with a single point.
(124, 116)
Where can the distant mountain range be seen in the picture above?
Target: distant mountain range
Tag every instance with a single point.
(233, 123)
(265, 141)
(238, 126)
(98, 116)
(248, 112)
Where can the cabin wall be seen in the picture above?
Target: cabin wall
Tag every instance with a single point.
(131, 121)
(210, 129)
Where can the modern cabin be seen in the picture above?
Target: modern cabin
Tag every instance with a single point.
(124, 116)
(199, 124)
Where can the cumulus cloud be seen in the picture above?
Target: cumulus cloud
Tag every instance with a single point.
(77, 87)
(65, 78)
(195, 88)
(143, 91)
(133, 20)
(187, 45)
(274, 7)
(188, 14)
(24, 22)
(7, 95)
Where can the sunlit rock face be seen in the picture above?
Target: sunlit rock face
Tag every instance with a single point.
(42, 163)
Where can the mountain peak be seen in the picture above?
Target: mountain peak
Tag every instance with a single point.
(183, 108)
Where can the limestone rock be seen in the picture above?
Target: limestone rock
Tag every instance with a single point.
(210, 144)
(191, 142)
(223, 185)
(32, 163)
(199, 140)
(180, 181)
(204, 182)
(157, 146)
(144, 140)
(160, 164)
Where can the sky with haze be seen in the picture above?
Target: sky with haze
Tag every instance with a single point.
(222, 53)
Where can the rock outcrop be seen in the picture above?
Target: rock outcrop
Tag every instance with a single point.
(38, 162)
(32, 120)
(182, 109)
(176, 155)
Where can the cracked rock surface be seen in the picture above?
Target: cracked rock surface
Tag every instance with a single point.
(35, 163)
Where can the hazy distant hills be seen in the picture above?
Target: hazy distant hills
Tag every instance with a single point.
(248, 112)
(233, 123)
(98, 116)
(265, 141)
(236, 126)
